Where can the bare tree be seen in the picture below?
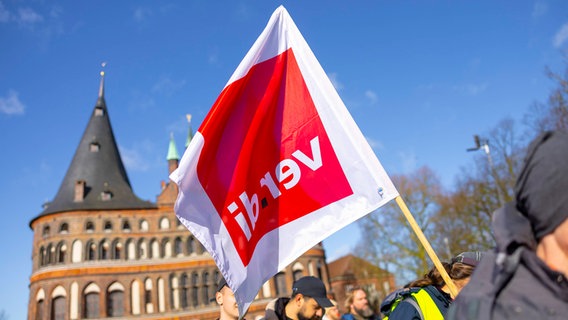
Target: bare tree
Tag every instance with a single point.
(552, 115)
(387, 239)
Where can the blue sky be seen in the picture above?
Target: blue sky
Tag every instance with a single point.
(419, 78)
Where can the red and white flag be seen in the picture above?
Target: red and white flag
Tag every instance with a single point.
(277, 165)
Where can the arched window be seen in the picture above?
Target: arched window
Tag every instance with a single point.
(166, 248)
(40, 304)
(161, 296)
(58, 308)
(155, 249)
(297, 271)
(115, 300)
(319, 270)
(91, 251)
(64, 228)
(190, 245)
(39, 309)
(195, 289)
(58, 303)
(130, 250)
(116, 249)
(49, 254)
(45, 232)
(126, 226)
(61, 252)
(184, 291)
(205, 287)
(105, 250)
(91, 297)
(108, 226)
(142, 249)
(41, 257)
(178, 246)
(148, 296)
(135, 297)
(77, 251)
(174, 292)
(144, 225)
(164, 223)
(89, 226)
(280, 284)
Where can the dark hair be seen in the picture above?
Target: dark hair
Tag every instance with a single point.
(456, 271)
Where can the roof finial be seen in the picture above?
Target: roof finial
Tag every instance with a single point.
(102, 86)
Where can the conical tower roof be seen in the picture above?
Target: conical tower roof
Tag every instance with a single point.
(96, 178)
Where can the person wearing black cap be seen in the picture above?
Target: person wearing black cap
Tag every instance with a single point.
(225, 298)
(309, 298)
(525, 276)
(429, 297)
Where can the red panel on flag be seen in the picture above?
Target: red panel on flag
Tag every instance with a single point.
(273, 161)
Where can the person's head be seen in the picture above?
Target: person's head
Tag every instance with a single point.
(332, 313)
(540, 194)
(228, 308)
(459, 269)
(309, 298)
(356, 302)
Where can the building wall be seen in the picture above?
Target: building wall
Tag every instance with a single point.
(145, 254)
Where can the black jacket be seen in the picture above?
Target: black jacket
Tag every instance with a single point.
(512, 282)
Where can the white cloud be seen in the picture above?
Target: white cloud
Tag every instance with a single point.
(167, 86)
(375, 144)
(372, 96)
(471, 89)
(11, 104)
(5, 15)
(334, 80)
(540, 8)
(133, 159)
(561, 36)
(28, 17)
(142, 13)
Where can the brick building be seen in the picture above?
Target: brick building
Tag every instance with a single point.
(99, 251)
(350, 271)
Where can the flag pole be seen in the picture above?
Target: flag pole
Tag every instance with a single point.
(449, 282)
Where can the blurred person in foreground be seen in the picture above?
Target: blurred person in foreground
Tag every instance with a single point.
(429, 297)
(225, 298)
(525, 276)
(358, 306)
(308, 300)
(332, 313)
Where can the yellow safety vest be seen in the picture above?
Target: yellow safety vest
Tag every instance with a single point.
(428, 309)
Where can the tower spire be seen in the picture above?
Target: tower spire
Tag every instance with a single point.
(96, 178)
(173, 155)
(102, 85)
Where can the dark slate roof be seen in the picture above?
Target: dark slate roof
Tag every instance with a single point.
(102, 171)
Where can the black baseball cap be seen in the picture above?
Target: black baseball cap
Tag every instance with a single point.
(221, 284)
(314, 288)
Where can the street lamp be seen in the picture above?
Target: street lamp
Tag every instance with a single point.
(484, 144)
